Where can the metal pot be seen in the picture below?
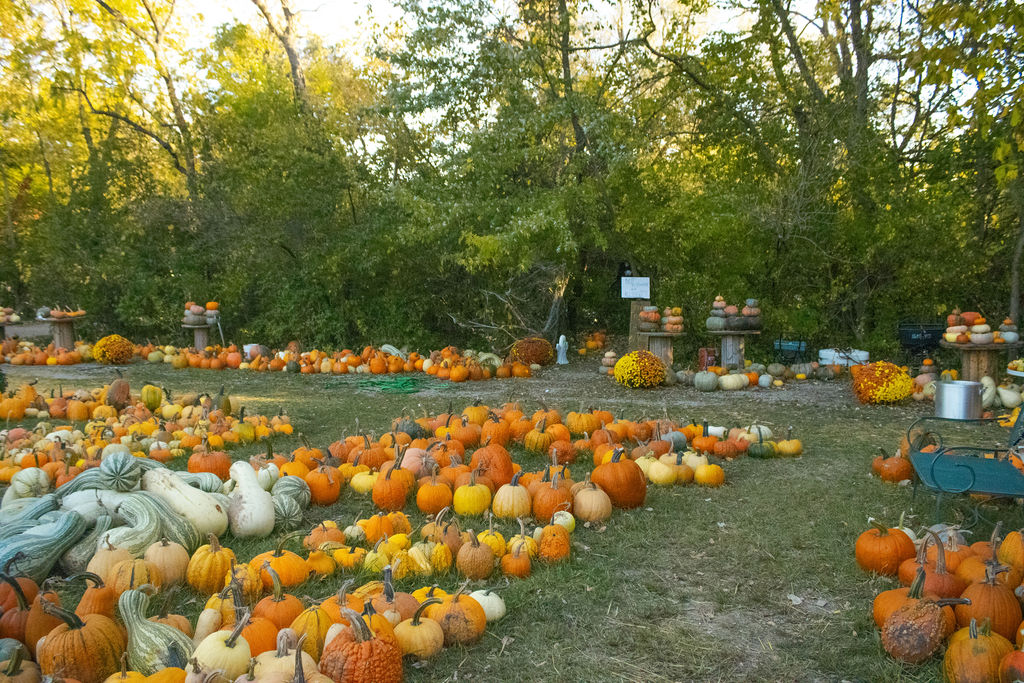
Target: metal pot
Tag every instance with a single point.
(958, 400)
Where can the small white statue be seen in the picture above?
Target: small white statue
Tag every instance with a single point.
(562, 347)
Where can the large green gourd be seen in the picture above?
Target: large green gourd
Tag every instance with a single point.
(151, 646)
(293, 487)
(287, 513)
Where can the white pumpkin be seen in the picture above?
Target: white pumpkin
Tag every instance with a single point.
(980, 329)
(267, 475)
(981, 338)
(756, 432)
(494, 606)
(112, 448)
(1011, 337)
(733, 382)
(764, 381)
(1009, 396)
(693, 460)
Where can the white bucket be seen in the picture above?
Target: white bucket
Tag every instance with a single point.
(842, 357)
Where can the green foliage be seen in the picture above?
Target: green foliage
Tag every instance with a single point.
(480, 167)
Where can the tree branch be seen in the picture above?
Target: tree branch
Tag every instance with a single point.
(134, 125)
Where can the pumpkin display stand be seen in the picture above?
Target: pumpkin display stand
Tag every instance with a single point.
(981, 360)
(733, 346)
(63, 331)
(201, 335)
(658, 343)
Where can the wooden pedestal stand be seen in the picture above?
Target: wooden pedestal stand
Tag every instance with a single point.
(982, 360)
(63, 332)
(660, 344)
(732, 355)
(201, 335)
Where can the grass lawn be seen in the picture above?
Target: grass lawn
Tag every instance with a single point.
(755, 580)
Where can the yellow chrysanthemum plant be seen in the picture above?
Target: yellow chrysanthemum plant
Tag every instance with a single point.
(882, 382)
(113, 350)
(639, 370)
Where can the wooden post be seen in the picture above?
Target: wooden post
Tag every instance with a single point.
(661, 346)
(63, 334)
(976, 364)
(635, 306)
(732, 351)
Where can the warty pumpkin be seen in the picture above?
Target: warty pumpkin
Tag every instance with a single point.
(356, 655)
(461, 618)
(916, 629)
(208, 565)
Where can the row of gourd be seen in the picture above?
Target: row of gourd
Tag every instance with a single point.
(755, 375)
(449, 363)
(953, 595)
(137, 506)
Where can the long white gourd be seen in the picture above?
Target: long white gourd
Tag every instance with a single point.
(252, 509)
(208, 516)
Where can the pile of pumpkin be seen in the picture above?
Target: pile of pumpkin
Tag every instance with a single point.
(239, 630)
(18, 352)
(954, 595)
(973, 328)
(593, 343)
(448, 363)
(773, 375)
(111, 419)
(729, 317)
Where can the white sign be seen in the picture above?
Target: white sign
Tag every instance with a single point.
(636, 288)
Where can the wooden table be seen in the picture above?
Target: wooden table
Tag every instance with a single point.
(660, 344)
(733, 346)
(201, 335)
(981, 360)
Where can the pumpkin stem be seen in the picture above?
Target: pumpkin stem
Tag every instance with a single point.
(917, 585)
(360, 631)
(389, 588)
(940, 558)
(97, 582)
(279, 551)
(214, 543)
(284, 642)
(19, 594)
(883, 530)
(419, 610)
(241, 621)
(14, 665)
(994, 540)
(300, 675)
(73, 621)
(275, 579)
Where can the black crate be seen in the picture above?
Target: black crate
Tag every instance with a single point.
(920, 336)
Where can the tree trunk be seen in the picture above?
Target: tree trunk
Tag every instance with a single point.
(564, 27)
(285, 34)
(1016, 191)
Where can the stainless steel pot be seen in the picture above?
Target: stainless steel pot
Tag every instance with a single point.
(958, 400)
